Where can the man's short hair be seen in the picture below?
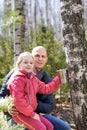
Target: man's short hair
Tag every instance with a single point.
(37, 48)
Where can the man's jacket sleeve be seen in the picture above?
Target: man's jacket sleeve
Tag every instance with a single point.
(4, 91)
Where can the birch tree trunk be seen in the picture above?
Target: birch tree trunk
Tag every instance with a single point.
(76, 55)
(30, 21)
(19, 28)
(41, 12)
(47, 12)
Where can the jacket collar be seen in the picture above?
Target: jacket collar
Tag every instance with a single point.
(39, 73)
(29, 75)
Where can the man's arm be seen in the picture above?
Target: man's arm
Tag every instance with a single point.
(4, 91)
(46, 101)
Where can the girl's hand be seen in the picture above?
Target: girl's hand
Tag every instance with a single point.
(12, 110)
(62, 75)
(37, 117)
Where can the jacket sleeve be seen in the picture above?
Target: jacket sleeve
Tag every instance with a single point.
(50, 87)
(45, 101)
(4, 91)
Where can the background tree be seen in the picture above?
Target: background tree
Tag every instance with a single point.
(19, 27)
(76, 54)
(6, 57)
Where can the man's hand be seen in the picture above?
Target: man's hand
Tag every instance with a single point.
(12, 110)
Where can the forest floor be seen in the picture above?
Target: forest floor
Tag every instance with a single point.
(65, 112)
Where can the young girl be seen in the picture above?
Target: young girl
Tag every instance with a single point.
(24, 86)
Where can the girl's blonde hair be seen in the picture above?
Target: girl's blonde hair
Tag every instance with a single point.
(19, 60)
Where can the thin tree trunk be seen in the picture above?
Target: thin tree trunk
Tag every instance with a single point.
(47, 12)
(41, 12)
(30, 21)
(35, 14)
(76, 54)
(19, 29)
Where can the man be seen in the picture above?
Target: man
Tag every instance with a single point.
(45, 102)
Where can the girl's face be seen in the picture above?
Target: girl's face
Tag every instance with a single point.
(26, 64)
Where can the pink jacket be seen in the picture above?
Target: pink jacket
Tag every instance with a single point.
(24, 88)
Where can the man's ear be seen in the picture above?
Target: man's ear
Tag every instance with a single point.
(46, 59)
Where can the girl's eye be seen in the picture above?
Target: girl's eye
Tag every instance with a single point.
(31, 63)
(25, 62)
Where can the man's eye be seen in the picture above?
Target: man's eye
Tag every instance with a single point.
(40, 56)
(43, 56)
(37, 56)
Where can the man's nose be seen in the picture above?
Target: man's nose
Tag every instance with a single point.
(40, 57)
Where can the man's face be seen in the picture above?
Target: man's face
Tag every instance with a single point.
(40, 59)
